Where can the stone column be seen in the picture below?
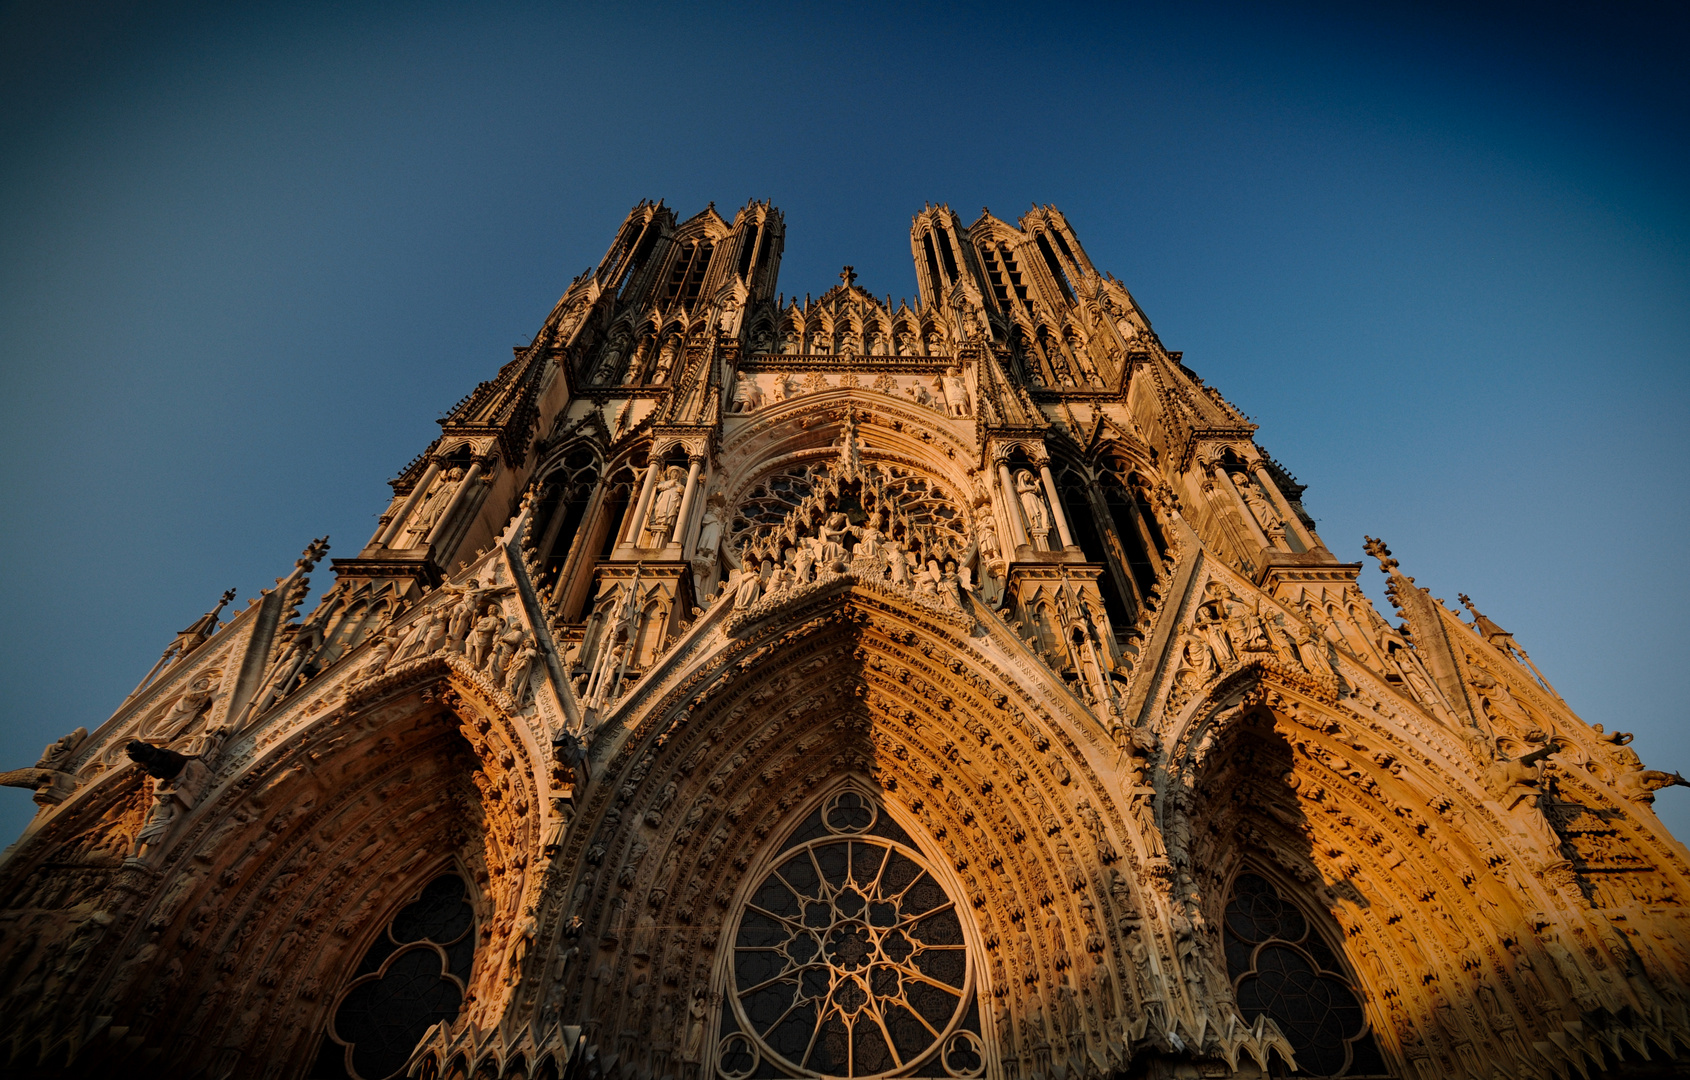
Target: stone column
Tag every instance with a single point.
(1012, 507)
(397, 523)
(435, 534)
(684, 518)
(631, 534)
(1283, 505)
(1056, 513)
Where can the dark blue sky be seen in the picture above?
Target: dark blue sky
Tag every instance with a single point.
(248, 255)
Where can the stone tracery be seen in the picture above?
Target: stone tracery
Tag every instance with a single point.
(986, 588)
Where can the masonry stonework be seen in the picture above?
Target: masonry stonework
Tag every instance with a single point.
(742, 688)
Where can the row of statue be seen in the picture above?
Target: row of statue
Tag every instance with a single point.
(476, 628)
(946, 392)
(866, 551)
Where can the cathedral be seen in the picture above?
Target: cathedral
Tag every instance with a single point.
(750, 688)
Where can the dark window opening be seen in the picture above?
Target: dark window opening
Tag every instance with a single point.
(575, 497)
(1083, 524)
(412, 977)
(932, 264)
(677, 274)
(642, 252)
(947, 254)
(1063, 245)
(1148, 516)
(695, 277)
(1280, 966)
(1055, 268)
(747, 251)
(1122, 512)
(1014, 271)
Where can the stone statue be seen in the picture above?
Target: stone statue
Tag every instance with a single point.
(472, 600)
(747, 589)
(187, 708)
(748, 396)
(1027, 489)
(710, 531)
(433, 505)
(59, 752)
(950, 384)
(521, 669)
(479, 644)
(665, 506)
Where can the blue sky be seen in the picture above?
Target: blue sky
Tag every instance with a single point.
(249, 254)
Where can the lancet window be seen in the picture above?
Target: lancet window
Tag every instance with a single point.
(849, 959)
(1056, 271)
(1280, 966)
(566, 495)
(932, 263)
(413, 976)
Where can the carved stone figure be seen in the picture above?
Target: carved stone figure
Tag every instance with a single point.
(1033, 827)
(665, 506)
(1031, 495)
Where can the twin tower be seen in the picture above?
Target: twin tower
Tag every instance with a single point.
(747, 689)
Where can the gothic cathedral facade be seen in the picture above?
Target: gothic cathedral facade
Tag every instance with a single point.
(742, 688)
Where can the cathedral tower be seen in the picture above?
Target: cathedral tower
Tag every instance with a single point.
(742, 688)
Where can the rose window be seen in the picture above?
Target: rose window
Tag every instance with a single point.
(849, 959)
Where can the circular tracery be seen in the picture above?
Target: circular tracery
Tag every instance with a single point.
(932, 511)
(849, 960)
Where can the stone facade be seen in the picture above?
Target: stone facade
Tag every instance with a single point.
(745, 688)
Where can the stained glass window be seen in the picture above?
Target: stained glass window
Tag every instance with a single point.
(1280, 966)
(849, 959)
(412, 977)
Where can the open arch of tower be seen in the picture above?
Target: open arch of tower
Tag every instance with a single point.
(742, 688)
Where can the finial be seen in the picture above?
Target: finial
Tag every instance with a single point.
(848, 276)
(313, 553)
(1376, 548)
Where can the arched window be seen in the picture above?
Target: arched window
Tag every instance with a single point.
(412, 977)
(568, 493)
(1280, 966)
(1055, 267)
(849, 959)
(1092, 533)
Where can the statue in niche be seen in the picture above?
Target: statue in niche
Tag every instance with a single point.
(1264, 513)
(433, 505)
(1033, 508)
(665, 506)
(665, 365)
(906, 343)
(876, 343)
(692, 1044)
(935, 344)
(521, 670)
(792, 344)
(747, 588)
(610, 362)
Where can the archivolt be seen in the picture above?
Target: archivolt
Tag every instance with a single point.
(977, 767)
